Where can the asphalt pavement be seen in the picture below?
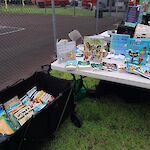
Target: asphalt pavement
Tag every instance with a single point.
(22, 52)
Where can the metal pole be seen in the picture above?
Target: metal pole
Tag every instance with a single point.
(116, 6)
(97, 15)
(110, 6)
(54, 24)
(74, 11)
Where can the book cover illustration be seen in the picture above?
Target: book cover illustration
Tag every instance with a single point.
(79, 52)
(84, 64)
(23, 114)
(134, 15)
(71, 65)
(12, 104)
(132, 68)
(5, 124)
(94, 49)
(118, 43)
(37, 100)
(137, 51)
(109, 66)
(144, 71)
(66, 51)
(142, 31)
(97, 66)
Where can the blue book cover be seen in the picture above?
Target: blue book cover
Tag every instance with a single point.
(119, 43)
(71, 65)
(144, 71)
(137, 51)
(134, 15)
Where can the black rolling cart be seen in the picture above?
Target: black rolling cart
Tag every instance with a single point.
(46, 122)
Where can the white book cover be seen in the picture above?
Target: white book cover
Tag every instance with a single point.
(66, 51)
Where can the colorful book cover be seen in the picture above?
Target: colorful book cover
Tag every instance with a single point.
(144, 71)
(23, 114)
(94, 48)
(109, 66)
(84, 64)
(71, 65)
(32, 91)
(97, 66)
(119, 43)
(5, 126)
(66, 51)
(12, 104)
(131, 68)
(5, 123)
(134, 15)
(137, 51)
(142, 31)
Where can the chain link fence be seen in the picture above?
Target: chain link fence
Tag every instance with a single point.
(27, 31)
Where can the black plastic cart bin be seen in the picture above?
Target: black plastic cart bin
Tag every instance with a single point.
(44, 123)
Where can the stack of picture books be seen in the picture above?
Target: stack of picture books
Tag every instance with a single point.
(37, 100)
(16, 111)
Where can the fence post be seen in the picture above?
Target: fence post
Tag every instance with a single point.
(54, 24)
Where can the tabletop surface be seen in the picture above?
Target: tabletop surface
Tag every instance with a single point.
(115, 76)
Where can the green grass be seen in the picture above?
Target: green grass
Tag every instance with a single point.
(109, 123)
(32, 9)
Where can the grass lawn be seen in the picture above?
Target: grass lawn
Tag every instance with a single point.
(32, 9)
(109, 123)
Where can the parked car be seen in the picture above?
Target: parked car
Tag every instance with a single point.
(74, 3)
(43, 3)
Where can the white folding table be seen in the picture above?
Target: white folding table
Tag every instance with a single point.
(115, 76)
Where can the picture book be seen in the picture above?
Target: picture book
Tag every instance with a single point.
(118, 43)
(134, 15)
(142, 31)
(25, 99)
(35, 99)
(71, 65)
(5, 126)
(32, 91)
(109, 66)
(14, 121)
(144, 71)
(131, 68)
(79, 52)
(94, 49)
(66, 51)
(12, 104)
(97, 66)
(84, 65)
(47, 99)
(139, 70)
(23, 114)
(5, 123)
(137, 51)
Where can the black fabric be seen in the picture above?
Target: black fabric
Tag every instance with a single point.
(126, 92)
(122, 29)
(45, 122)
